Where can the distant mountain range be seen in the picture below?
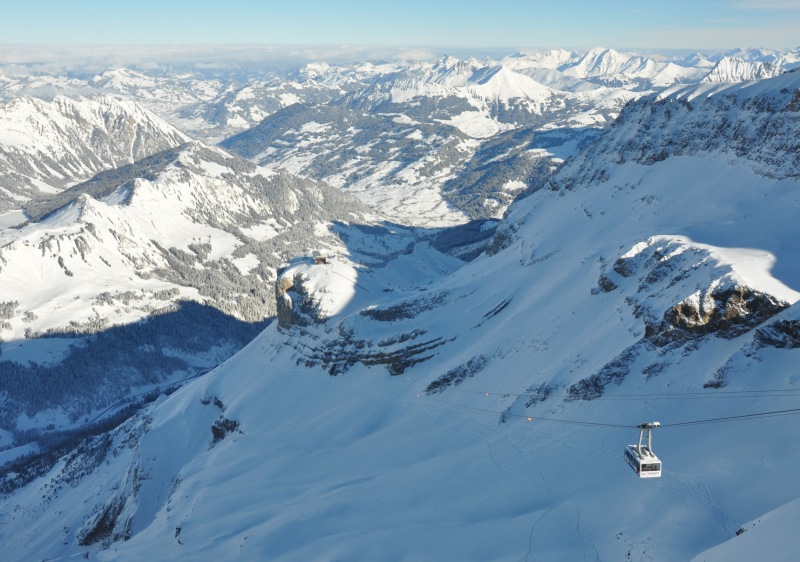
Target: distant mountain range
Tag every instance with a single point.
(275, 113)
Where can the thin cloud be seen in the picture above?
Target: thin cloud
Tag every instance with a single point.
(773, 5)
(24, 59)
(716, 39)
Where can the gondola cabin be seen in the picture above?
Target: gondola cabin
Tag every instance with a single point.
(641, 458)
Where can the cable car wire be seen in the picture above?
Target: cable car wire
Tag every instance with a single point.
(767, 393)
(537, 418)
(756, 415)
(776, 413)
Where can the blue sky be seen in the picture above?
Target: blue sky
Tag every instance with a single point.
(639, 24)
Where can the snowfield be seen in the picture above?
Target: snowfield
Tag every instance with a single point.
(414, 406)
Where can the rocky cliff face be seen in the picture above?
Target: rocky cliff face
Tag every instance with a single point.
(757, 123)
(294, 302)
(723, 305)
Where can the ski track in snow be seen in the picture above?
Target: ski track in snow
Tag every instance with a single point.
(584, 539)
(529, 554)
(692, 487)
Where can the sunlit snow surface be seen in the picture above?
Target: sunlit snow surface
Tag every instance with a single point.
(367, 466)
(364, 466)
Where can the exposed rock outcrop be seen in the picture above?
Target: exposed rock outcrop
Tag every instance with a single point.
(727, 313)
(304, 296)
(284, 301)
(783, 334)
(655, 276)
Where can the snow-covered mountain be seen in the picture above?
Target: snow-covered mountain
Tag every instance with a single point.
(46, 146)
(484, 99)
(418, 135)
(207, 107)
(576, 71)
(242, 107)
(166, 90)
(761, 133)
(419, 132)
(486, 96)
(479, 411)
(192, 234)
(177, 252)
(610, 67)
(732, 69)
(483, 85)
(752, 64)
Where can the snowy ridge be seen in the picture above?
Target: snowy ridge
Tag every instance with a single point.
(633, 289)
(573, 70)
(753, 64)
(504, 85)
(732, 69)
(608, 62)
(470, 79)
(194, 196)
(718, 125)
(46, 146)
(552, 59)
(31, 124)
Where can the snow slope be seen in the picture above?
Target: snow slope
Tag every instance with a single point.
(764, 537)
(633, 289)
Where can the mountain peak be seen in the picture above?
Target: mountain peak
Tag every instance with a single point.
(503, 83)
(734, 69)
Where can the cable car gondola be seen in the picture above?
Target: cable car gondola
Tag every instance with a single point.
(641, 457)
